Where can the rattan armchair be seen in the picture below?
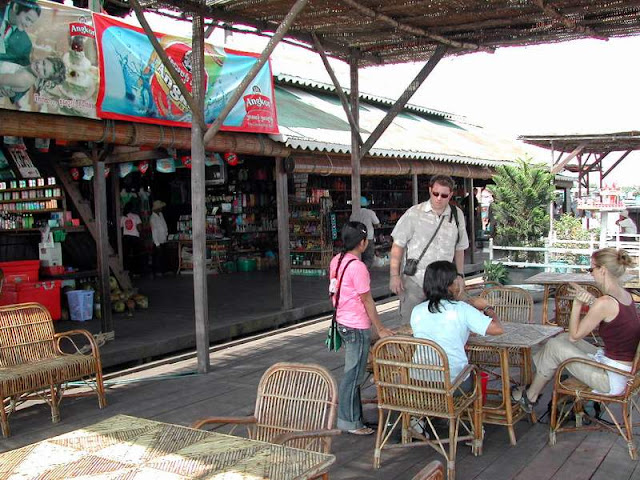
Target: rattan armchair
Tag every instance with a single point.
(511, 304)
(567, 389)
(564, 303)
(433, 471)
(412, 380)
(296, 405)
(33, 364)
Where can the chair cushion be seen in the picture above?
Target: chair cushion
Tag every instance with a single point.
(41, 374)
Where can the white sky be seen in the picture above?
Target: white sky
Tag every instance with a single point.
(584, 86)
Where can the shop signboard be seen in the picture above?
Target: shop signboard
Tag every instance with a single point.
(67, 61)
(48, 59)
(135, 85)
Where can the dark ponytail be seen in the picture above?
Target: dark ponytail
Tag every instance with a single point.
(352, 234)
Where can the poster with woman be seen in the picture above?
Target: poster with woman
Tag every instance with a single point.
(48, 59)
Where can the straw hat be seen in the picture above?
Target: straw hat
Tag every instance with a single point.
(158, 205)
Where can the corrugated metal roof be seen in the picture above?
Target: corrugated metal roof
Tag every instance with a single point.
(314, 120)
(286, 79)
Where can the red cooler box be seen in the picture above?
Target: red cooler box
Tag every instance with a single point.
(44, 293)
(21, 271)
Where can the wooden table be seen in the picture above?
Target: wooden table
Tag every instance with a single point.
(518, 336)
(135, 448)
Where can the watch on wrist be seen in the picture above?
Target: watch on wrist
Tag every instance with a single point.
(486, 309)
(461, 275)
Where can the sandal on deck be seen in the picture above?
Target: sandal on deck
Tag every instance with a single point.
(524, 402)
(362, 431)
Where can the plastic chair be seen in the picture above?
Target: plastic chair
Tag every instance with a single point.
(567, 388)
(433, 471)
(412, 380)
(296, 404)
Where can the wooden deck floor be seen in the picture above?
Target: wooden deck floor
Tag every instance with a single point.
(172, 393)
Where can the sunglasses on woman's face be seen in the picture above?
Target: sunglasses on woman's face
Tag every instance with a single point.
(591, 269)
(443, 195)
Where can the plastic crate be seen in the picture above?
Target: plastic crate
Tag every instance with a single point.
(46, 294)
(20, 271)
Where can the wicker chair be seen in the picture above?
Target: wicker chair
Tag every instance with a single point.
(567, 389)
(511, 304)
(433, 471)
(412, 380)
(33, 364)
(296, 404)
(564, 303)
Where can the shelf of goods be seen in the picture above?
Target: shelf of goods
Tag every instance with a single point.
(310, 239)
(24, 209)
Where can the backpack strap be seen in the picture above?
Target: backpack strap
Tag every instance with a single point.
(454, 216)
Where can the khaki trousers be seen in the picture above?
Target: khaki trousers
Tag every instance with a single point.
(559, 349)
(413, 295)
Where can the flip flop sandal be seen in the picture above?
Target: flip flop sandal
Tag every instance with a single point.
(362, 431)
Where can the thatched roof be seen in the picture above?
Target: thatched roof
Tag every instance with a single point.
(396, 31)
(593, 143)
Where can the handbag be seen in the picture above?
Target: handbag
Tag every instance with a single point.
(411, 264)
(334, 340)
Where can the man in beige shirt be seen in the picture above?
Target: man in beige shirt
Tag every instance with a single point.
(413, 232)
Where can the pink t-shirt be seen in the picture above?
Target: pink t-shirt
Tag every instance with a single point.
(356, 281)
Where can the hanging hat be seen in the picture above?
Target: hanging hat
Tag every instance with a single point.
(157, 205)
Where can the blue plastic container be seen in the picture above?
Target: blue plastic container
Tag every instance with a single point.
(80, 305)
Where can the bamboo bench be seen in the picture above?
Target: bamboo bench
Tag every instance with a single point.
(33, 364)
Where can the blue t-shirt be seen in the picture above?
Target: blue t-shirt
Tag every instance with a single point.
(450, 329)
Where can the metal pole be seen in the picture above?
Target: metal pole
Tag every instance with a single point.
(414, 188)
(102, 240)
(356, 191)
(283, 28)
(198, 209)
(282, 204)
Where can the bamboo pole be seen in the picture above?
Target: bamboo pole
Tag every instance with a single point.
(75, 129)
(356, 191)
(284, 258)
(282, 29)
(198, 209)
(404, 98)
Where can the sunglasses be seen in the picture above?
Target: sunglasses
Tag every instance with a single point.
(443, 195)
(591, 269)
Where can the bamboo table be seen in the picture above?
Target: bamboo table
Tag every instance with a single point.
(519, 336)
(130, 447)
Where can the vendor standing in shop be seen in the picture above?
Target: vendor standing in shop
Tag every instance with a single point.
(159, 233)
(370, 219)
(427, 232)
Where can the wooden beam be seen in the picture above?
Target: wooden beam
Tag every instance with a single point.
(282, 29)
(404, 98)
(198, 209)
(102, 239)
(341, 95)
(136, 156)
(356, 190)
(284, 251)
(596, 163)
(419, 32)
(414, 188)
(196, 116)
(568, 22)
(559, 166)
(617, 162)
(117, 211)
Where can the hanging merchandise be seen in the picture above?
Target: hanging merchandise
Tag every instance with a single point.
(186, 161)
(143, 166)
(42, 144)
(125, 169)
(165, 165)
(231, 158)
(75, 173)
(87, 173)
(107, 171)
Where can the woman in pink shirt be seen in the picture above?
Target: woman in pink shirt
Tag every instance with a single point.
(355, 316)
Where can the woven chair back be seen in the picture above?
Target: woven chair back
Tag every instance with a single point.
(564, 302)
(412, 375)
(26, 334)
(512, 304)
(294, 397)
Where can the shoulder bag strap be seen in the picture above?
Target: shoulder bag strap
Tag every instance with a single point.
(431, 240)
(339, 287)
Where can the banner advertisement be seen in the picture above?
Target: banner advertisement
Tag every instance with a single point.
(135, 86)
(48, 59)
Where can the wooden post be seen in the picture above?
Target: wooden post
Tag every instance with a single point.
(471, 216)
(356, 191)
(198, 209)
(284, 257)
(115, 192)
(414, 188)
(102, 240)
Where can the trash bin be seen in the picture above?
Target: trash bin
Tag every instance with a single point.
(80, 305)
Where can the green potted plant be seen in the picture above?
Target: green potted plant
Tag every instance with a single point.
(495, 272)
